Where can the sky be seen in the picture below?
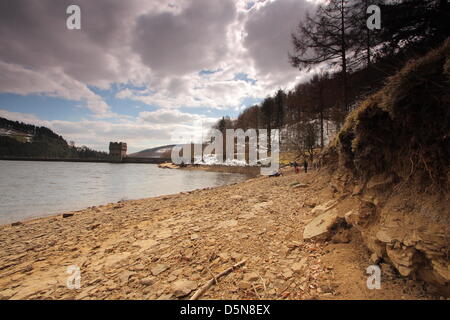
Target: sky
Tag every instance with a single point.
(146, 72)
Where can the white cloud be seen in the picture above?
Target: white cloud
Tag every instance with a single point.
(156, 45)
(18, 116)
(53, 82)
(167, 116)
(149, 129)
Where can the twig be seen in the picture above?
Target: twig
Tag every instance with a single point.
(210, 283)
(212, 274)
(264, 286)
(256, 292)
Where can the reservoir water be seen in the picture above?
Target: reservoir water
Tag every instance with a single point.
(30, 189)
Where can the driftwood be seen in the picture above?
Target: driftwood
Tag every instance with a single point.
(210, 283)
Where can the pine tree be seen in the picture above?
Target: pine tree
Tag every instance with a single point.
(326, 37)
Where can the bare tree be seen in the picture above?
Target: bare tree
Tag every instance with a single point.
(325, 37)
(279, 102)
(267, 109)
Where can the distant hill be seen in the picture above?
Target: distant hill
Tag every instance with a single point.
(158, 152)
(18, 139)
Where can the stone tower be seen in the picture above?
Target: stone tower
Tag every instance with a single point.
(117, 150)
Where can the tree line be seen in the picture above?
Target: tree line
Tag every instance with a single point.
(44, 144)
(349, 61)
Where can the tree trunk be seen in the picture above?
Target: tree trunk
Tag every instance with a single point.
(321, 128)
(344, 57)
(368, 38)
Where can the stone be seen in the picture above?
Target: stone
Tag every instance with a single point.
(125, 276)
(165, 296)
(402, 259)
(383, 236)
(379, 181)
(148, 281)
(182, 288)
(244, 285)
(357, 189)
(15, 224)
(158, 269)
(228, 223)
(440, 266)
(224, 256)
(250, 277)
(139, 267)
(309, 203)
(300, 185)
(194, 236)
(324, 207)
(67, 215)
(236, 256)
(287, 273)
(116, 258)
(94, 226)
(171, 278)
(361, 217)
(320, 226)
(374, 258)
(297, 267)
(262, 206)
(145, 244)
(351, 217)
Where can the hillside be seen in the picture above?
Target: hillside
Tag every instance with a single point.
(21, 140)
(158, 152)
(391, 161)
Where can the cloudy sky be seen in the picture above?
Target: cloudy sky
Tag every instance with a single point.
(142, 70)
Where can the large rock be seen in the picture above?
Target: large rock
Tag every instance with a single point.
(402, 259)
(320, 226)
(182, 288)
(383, 235)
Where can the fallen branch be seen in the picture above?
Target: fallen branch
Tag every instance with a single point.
(209, 284)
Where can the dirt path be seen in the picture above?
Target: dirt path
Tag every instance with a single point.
(167, 247)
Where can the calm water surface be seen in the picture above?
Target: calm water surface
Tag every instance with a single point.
(30, 189)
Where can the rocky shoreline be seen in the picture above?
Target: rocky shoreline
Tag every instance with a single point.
(170, 246)
(249, 170)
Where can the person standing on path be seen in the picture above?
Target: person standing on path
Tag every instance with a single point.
(296, 167)
(305, 165)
